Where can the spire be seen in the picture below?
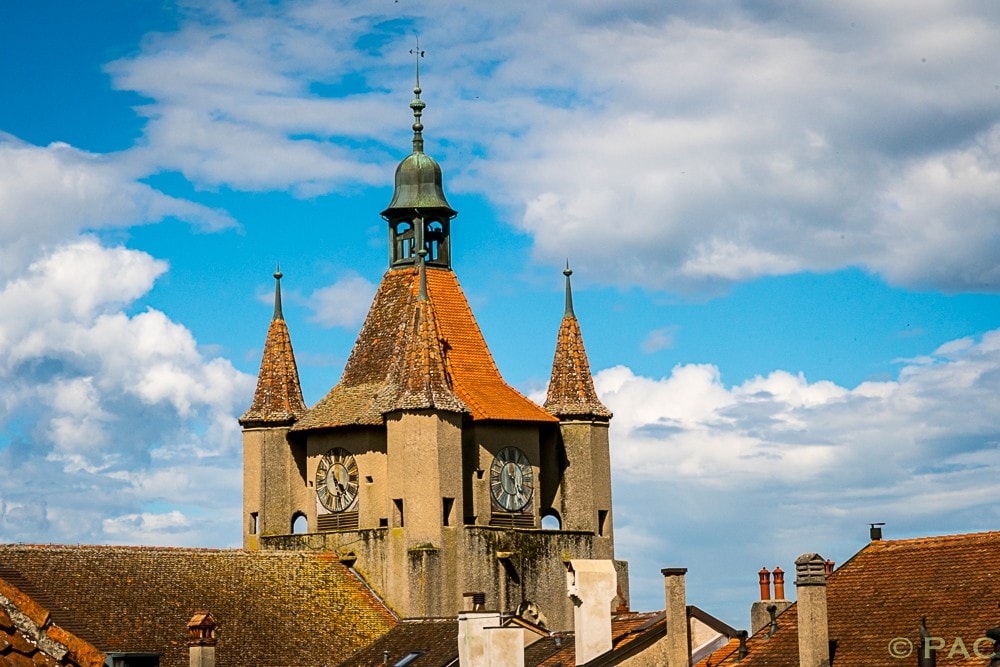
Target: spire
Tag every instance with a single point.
(417, 105)
(277, 293)
(571, 388)
(419, 215)
(569, 292)
(278, 397)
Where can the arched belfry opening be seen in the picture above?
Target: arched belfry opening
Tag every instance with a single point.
(408, 233)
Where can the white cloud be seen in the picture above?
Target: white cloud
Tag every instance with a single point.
(96, 398)
(50, 194)
(783, 466)
(659, 339)
(344, 303)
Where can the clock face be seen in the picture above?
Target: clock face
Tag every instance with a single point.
(337, 480)
(511, 479)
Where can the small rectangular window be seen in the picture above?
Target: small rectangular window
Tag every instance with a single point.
(398, 506)
(408, 658)
(253, 523)
(602, 520)
(448, 504)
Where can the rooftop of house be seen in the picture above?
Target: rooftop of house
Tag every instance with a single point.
(369, 387)
(28, 636)
(272, 608)
(877, 600)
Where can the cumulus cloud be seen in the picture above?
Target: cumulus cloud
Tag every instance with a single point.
(344, 303)
(682, 147)
(96, 399)
(50, 194)
(783, 465)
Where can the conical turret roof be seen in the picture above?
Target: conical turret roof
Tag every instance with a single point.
(278, 398)
(571, 387)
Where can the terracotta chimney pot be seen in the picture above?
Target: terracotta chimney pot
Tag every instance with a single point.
(765, 584)
(779, 584)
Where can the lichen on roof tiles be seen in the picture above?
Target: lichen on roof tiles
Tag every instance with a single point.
(273, 608)
(571, 388)
(278, 397)
(370, 387)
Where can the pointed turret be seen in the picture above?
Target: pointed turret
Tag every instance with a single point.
(278, 399)
(571, 388)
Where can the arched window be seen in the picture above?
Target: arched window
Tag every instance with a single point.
(403, 239)
(299, 523)
(551, 520)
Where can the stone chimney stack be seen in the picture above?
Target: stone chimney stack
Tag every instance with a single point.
(592, 586)
(202, 642)
(814, 636)
(760, 611)
(678, 643)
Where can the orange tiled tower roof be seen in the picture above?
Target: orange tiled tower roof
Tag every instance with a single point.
(571, 388)
(395, 364)
(278, 398)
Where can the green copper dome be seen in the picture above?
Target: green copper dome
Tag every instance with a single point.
(419, 186)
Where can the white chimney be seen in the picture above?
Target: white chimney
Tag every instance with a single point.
(473, 644)
(592, 586)
(814, 635)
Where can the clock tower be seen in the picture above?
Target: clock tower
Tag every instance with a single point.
(422, 467)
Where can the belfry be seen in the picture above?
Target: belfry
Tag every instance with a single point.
(422, 467)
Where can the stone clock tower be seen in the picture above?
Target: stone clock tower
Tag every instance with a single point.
(422, 467)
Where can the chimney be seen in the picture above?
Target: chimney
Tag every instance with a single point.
(504, 647)
(678, 643)
(779, 583)
(761, 614)
(814, 636)
(201, 645)
(591, 585)
(765, 584)
(473, 644)
(875, 531)
(828, 567)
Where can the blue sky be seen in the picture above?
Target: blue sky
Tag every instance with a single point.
(784, 224)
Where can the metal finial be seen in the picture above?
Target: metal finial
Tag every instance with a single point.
(422, 294)
(417, 104)
(569, 292)
(277, 293)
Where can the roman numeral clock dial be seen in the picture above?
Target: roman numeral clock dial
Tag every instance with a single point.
(337, 480)
(511, 479)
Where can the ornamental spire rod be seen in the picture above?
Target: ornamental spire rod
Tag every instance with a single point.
(417, 104)
(569, 292)
(277, 293)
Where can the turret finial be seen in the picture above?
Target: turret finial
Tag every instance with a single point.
(569, 292)
(417, 104)
(277, 293)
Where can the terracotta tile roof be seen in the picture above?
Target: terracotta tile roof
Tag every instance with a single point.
(273, 608)
(363, 394)
(571, 387)
(29, 637)
(883, 592)
(278, 398)
(419, 377)
(626, 629)
(436, 639)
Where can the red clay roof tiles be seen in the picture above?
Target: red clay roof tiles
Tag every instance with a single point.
(883, 592)
(273, 608)
(368, 385)
(571, 387)
(278, 397)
